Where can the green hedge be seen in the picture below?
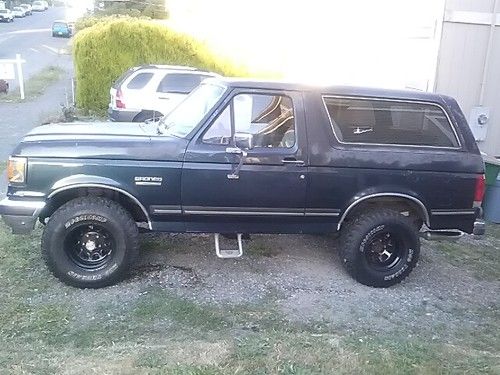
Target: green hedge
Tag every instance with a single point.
(105, 50)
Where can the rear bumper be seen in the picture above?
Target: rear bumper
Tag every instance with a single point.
(20, 215)
(121, 115)
(479, 228)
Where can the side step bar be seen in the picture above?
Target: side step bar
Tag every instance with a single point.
(228, 253)
(437, 235)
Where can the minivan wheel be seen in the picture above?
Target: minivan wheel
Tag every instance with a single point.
(147, 116)
(380, 248)
(90, 242)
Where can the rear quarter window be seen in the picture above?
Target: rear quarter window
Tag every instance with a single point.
(139, 81)
(388, 122)
(180, 83)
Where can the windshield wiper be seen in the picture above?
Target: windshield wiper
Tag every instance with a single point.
(160, 125)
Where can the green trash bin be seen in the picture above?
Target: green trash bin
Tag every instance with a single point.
(491, 172)
(491, 203)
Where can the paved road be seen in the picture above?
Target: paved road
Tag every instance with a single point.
(31, 37)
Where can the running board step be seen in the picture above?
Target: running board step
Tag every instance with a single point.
(437, 235)
(228, 253)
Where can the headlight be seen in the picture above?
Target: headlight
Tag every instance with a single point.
(16, 170)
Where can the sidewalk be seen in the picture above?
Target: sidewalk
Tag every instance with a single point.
(16, 119)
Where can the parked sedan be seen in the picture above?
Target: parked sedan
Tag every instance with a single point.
(18, 12)
(61, 28)
(6, 15)
(27, 9)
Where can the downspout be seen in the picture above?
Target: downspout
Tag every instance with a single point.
(488, 53)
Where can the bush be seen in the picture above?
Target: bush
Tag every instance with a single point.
(105, 50)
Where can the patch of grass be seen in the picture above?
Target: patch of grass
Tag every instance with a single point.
(160, 304)
(47, 323)
(480, 256)
(36, 85)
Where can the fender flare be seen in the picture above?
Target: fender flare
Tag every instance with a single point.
(86, 181)
(377, 195)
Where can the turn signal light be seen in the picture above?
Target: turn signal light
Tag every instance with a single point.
(16, 170)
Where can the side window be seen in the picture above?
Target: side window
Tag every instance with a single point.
(390, 122)
(139, 81)
(180, 83)
(269, 119)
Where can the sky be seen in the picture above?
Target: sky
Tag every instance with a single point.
(384, 43)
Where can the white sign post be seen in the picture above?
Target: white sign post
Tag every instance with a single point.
(8, 71)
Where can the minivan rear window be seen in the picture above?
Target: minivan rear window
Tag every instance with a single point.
(139, 81)
(180, 82)
(390, 122)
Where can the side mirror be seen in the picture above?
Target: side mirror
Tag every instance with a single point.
(243, 140)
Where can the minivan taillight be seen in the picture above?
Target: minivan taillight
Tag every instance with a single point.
(479, 191)
(119, 103)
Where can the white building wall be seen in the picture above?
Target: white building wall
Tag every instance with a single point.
(464, 64)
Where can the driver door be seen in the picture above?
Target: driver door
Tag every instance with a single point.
(245, 170)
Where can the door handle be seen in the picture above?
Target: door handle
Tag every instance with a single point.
(242, 154)
(235, 150)
(293, 161)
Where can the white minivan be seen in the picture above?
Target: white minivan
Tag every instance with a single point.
(39, 6)
(150, 91)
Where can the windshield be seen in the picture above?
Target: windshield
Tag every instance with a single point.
(184, 118)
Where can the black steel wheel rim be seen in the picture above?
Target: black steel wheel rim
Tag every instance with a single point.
(385, 250)
(89, 246)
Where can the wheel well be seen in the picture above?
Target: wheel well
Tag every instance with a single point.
(146, 113)
(406, 206)
(133, 208)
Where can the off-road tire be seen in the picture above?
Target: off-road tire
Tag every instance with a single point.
(356, 241)
(92, 212)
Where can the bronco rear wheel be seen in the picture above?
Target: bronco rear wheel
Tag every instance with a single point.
(380, 247)
(90, 242)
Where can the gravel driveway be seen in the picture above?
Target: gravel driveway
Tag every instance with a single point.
(286, 307)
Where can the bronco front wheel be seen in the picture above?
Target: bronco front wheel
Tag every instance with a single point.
(380, 248)
(90, 242)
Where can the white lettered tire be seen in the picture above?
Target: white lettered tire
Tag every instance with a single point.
(90, 242)
(380, 248)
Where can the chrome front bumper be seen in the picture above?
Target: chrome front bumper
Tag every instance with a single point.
(20, 215)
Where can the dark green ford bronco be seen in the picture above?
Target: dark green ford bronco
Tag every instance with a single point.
(382, 168)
